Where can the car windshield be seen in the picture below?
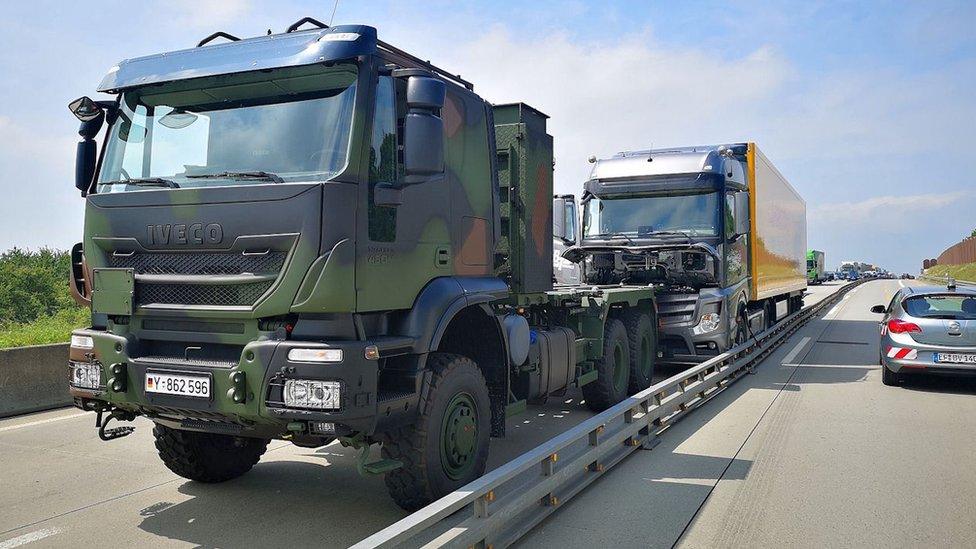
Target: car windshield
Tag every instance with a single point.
(689, 214)
(292, 126)
(945, 306)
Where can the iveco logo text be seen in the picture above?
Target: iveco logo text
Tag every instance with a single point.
(181, 233)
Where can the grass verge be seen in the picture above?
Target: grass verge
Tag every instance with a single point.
(47, 329)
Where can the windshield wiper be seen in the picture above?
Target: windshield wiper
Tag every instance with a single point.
(667, 233)
(265, 176)
(617, 234)
(145, 182)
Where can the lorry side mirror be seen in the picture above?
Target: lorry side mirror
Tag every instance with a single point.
(92, 116)
(423, 130)
(564, 218)
(558, 218)
(741, 213)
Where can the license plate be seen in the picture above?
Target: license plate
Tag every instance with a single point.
(169, 383)
(958, 358)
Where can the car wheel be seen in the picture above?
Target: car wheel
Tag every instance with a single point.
(888, 377)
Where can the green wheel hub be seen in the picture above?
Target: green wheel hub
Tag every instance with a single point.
(459, 436)
(621, 368)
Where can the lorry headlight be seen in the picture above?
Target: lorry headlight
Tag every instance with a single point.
(708, 323)
(315, 355)
(86, 374)
(308, 393)
(82, 341)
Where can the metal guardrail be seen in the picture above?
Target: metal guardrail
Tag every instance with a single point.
(509, 501)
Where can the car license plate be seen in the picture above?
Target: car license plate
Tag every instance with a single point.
(957, 358)
(169, 383)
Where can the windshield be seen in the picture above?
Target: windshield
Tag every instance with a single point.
(950, 307)
(690, 214)
(291, 127)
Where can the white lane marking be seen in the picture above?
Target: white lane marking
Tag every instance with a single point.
(901, 284)
(29, 538)
(796, 350)
(833, 310)
(40, 422)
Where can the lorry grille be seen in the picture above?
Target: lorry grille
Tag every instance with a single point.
(201, 294)
(675, 308)
(200, 264)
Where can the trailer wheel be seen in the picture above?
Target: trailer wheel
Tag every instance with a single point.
(207, 457)
(613, 370)
(643, 350)
(447, 445)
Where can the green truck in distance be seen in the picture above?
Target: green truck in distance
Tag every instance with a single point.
(315, 235)
(816, 267)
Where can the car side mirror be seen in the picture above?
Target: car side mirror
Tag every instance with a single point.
(423, 130)
(879, 309)
(741, 213)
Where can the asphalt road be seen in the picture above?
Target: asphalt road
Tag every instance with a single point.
(60, 485)
(811, 451)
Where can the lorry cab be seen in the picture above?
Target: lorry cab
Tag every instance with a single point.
(716, 229)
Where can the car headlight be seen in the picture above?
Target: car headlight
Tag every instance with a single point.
(82, 342)
(315, 355)
(708, 323)
(308, 393)
(86, 374)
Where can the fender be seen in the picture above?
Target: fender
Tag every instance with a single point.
(440, 300)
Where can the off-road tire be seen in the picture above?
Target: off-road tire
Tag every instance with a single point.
(424, 477)
(207, 457)
(608, 389)
(642, 340)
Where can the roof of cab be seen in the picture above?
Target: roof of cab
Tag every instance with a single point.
(290, 49)
(674, 160)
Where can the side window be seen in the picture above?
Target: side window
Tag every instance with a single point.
(729, 215)
(383, 160)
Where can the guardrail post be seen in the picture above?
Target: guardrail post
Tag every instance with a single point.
(594, 436)
(481, 504)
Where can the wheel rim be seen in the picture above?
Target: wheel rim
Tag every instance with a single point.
(646, 365)
(459, 436)
(619, 367)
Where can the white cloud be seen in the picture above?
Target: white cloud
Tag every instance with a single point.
(208, 14)
(891, 212)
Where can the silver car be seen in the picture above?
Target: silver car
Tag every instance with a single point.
(928, 330)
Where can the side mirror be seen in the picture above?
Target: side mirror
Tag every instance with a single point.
(92, 116)
(879, 309)
(741, 213)
(564, 218)
(423, 130)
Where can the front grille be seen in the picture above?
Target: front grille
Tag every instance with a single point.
(201, 294)
(201, 263)
(675, 308)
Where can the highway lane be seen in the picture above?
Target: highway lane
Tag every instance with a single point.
(811, 451)
(59, 484)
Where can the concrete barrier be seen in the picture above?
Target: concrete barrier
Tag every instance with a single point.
(33, 378)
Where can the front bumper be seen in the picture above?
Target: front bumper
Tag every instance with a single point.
(681, 345)
(265, 366)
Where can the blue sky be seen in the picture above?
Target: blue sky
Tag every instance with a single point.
(867, 107)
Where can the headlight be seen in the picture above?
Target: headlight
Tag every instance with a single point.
(315, 355)
(307, 393)
(708, 323)
(82, 342)
(86, 374)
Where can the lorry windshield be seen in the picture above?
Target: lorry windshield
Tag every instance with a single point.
(289, 127)
(690, 214)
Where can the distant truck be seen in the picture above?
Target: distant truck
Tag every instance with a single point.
(315, 235)
(716, 229)
(816, 267)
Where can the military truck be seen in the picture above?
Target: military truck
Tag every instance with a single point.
(315, 235)
(816, 267)
(716, 229)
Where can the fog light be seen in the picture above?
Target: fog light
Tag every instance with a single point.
(708, 323)
(307, 393)
(82, 342)
(315, 355)
(86, 375)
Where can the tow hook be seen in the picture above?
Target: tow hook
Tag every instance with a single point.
(116, 432)
(363, 465)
